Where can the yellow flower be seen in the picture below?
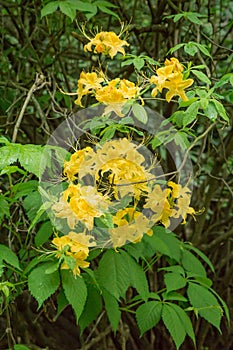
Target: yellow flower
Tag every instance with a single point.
(163, 74)
(174, 62)
(115, 94)
(158, 202)
(182, 195)
(74, 245)
(82, 203)
(87, 84)
(62, 210)
(120, 163)
(170, 77)
(132, 225)
(123, 172)
(107, 43)
(72, 167)
(176, 86)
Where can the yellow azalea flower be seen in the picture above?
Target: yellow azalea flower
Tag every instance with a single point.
(84, 204)
(176, 86)
(163, 74)
(72, 167)
(74, 245)
(82, 238)
(128, 89)
(115, 94)
(107, 43)
(62, 210)
(124, 216)
(174, 62)
(123, 172)
(132, 225)
(182, 195)
(170, 77)
(87, 83)
(121, 161)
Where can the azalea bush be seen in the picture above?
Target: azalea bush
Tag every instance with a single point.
(109, 225)
(96, 216)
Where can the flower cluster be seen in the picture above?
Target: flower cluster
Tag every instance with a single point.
(170, 77)
(72, 250)
(107, 43)
(113, 94)
(123, 188)
(112, 193)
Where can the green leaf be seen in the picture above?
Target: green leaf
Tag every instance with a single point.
(177, 17)
(148, 315)
(174, 268)
(192, 264)
(174, 296)
(188, 327)
(112, 309)
(112, 274)
(140, 113)
(137, 275)
(173, 324)
(10, 169)
(75, 291)
(202, 255)
(49, 8)
(190, 49)
(92, 307)
(206, 304)
(224, 305)
(9, 154)
(191, 113)
(201, 76)
(20, 347)
(106, 10)
(30, 158)
(174, 281)
(54, 266)
(175, 48)
(42, 285)
(67, 9)
(24, 188)
(225, 79)
(108, 133)
(221, 110)
(138, 63)
(44, 233)
(204, 50)
(165, 242)
(8, 256)
(193, 17)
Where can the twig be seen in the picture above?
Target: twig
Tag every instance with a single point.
(38, 84)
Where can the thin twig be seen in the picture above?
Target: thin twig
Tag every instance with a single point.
(38, 84)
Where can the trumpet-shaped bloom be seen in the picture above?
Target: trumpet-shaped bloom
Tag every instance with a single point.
(74, 246)
(82, 203)
(115, 94)
(131, 226)
(172, 202)
(120, 163)
(170, 77)
(107, 43)
(176, 86)
(87, 84)
(72, 167)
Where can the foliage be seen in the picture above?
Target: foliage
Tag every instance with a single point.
(99, 236)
